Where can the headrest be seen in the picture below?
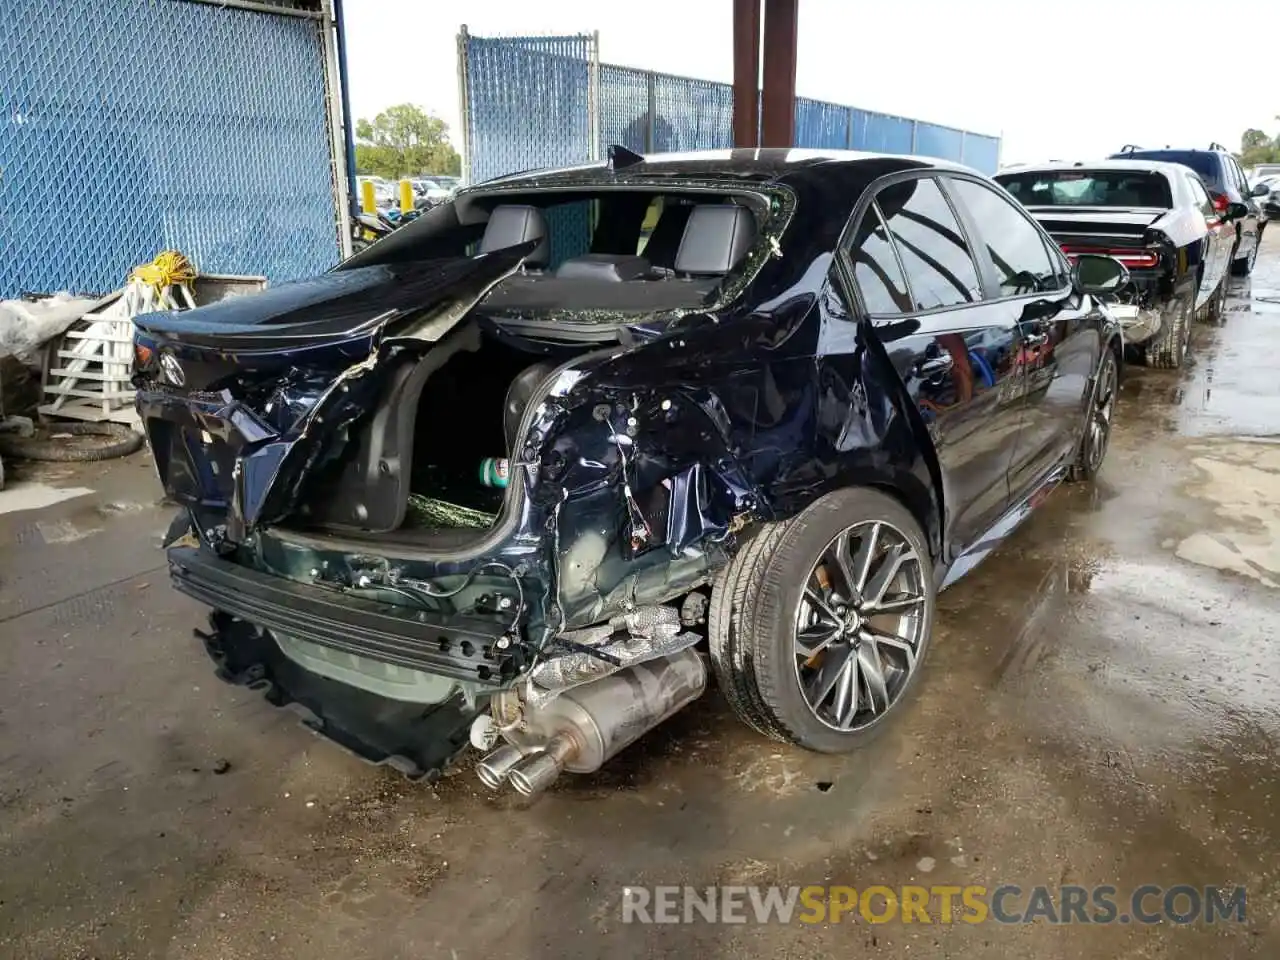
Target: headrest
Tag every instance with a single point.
(715, 239)
(612, 267)
(510, 224)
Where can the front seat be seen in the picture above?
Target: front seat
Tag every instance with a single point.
(716, 237)
(510, 224)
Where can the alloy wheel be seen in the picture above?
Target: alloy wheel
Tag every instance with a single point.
(1100, 416)
(860, 625)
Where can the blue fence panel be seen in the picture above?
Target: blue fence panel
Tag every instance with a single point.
(982, 153)
(691, 114)
(165, 125)
(624, 108)
(881, 133)
(527, 103)
(935, 141)
(821, 125)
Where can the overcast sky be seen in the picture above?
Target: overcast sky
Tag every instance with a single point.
(1058, 79)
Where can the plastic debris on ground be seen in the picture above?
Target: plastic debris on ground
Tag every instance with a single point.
(26, 325)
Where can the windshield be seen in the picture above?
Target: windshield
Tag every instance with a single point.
(1088, 188)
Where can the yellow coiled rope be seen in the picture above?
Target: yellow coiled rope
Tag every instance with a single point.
(169, 269)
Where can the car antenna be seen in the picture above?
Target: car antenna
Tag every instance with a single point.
(620, 157)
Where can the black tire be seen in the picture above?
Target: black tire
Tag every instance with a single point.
(113, 440)
(1216, 309)
(752, 619)
(1243, 266)
(1101, 410)
(1168, 349)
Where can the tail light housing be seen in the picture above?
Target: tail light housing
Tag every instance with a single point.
(1133, 259)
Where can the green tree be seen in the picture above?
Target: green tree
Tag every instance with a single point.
(1256, 147)
(404, 141)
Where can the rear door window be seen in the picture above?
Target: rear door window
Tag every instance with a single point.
(1200, 196)
(876, 271)
(1014, 243)
(935, 255)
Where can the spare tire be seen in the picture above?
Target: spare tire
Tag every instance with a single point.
(71, 442)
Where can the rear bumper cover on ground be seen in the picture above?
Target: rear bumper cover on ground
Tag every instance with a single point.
(419, 740)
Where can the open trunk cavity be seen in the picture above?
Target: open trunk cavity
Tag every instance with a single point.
(422, 467)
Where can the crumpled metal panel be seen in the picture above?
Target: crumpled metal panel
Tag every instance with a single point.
(645, 633)
(133, 126)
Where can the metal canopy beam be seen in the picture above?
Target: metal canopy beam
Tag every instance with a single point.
(778, 116)
(746, 73)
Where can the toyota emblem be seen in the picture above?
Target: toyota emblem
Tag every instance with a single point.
(172, 369)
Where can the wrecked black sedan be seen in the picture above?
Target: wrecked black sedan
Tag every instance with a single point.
(516, 473)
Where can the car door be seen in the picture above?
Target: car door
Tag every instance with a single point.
(917, 279)
(1249, 225)
(1219, 240)
(1060, 331)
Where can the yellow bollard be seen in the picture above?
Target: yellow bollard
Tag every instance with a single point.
(367, 203)
(406, 196)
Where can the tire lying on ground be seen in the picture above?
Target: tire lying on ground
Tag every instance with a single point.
(72, 442)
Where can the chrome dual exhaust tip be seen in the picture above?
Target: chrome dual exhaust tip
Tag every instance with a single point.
(494, 768)
(528, 774)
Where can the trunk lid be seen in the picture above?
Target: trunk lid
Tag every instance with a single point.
(1098, 226)
(244, 399)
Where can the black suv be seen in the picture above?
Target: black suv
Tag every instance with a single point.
(1227, 184)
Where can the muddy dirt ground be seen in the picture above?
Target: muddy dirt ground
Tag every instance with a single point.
(1100, 707)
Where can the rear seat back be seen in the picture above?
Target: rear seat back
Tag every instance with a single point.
(715, 239)
(510, 224)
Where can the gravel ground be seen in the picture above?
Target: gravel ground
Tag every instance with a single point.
(1099, 708)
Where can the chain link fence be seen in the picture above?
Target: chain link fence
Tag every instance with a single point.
(532, 102)
(134, 126)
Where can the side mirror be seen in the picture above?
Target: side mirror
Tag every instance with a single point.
(1236, 211)
(1098, 275)
(1259, 190)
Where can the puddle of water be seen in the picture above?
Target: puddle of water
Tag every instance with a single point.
(1242, 482)
(36, 496)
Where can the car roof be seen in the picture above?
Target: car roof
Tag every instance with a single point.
(1138, 166)
(760, 165)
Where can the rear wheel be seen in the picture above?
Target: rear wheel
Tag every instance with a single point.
(820, 625)
(1168, 348)
(1216, 310)
(1097, 428)
(1244, 265)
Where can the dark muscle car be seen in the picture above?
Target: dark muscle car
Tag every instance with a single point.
(1159, 221)
(515, 473)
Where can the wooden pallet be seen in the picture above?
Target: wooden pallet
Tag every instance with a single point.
(87, 369)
